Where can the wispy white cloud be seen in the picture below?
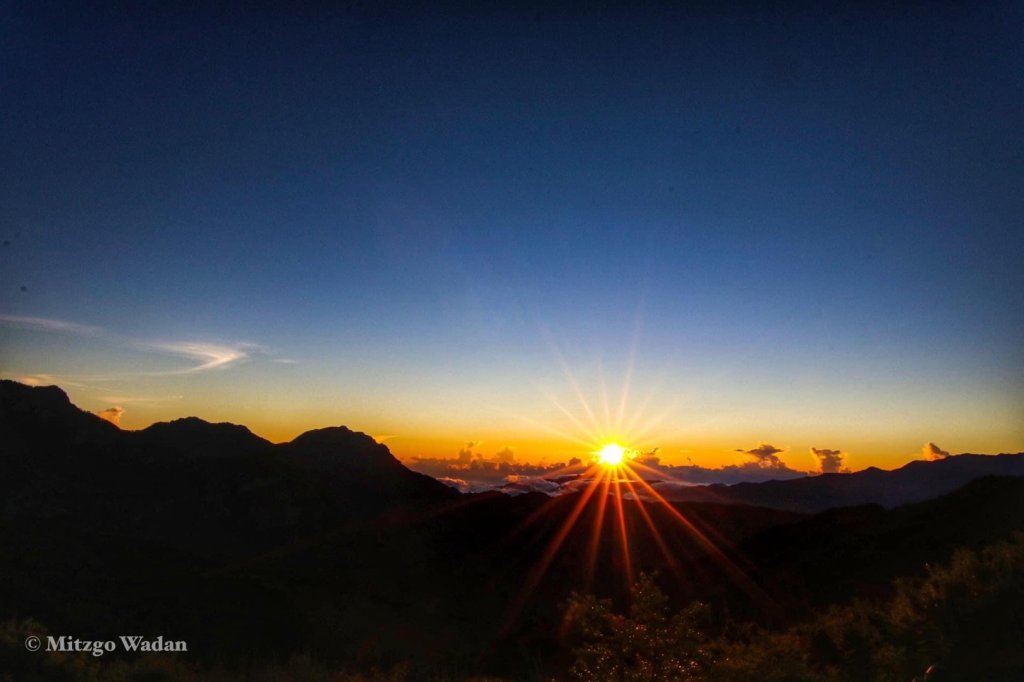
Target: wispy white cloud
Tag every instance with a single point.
(48, 325)
(461, 484)
(205, 356)
(46, 380)
(36, 380)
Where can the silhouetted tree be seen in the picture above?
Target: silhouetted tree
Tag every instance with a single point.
(646, 644)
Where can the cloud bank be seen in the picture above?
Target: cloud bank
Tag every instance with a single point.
(769, 468)
(472, 471)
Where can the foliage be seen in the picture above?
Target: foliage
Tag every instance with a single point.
(646, 644)
(964, 617)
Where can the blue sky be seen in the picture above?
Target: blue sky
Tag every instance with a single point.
(798, 224)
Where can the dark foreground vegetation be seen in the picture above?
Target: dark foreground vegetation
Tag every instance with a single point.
(326, 559)
(961, 621)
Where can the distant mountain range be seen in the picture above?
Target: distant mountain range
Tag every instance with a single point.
(913, 482)
(328, 544)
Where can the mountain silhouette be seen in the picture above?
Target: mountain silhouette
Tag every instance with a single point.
(189, 478)
(193, 437)
(328, 544)
(856, 551)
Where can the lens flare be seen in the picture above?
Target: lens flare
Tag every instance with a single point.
(613, 490)
(611, 454)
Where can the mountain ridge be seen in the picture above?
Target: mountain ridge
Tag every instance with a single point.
(915, 481)
(57, 461)
(30, 415)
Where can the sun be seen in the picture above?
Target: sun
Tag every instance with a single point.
(611, 455)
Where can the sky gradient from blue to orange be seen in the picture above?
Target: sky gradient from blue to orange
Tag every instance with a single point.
(798, 228)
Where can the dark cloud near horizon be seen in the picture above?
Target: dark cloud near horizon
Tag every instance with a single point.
(932, 452)
(505, 455)
(766, 456)
(766, 467)
(830, 461)
(748, 472)
(479, 470)
(472, 469)
(650, 458)
(112, 414)
(466, 453)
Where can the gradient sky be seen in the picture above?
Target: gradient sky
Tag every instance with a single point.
(727, 226)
